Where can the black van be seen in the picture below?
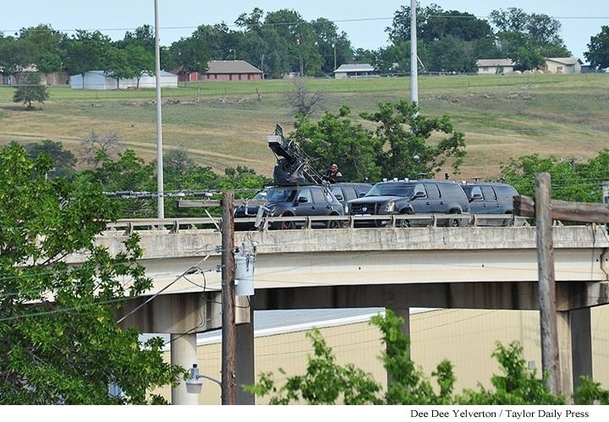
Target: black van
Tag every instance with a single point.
(425, 196)
(490, 198)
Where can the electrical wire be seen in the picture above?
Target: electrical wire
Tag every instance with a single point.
(150, 299)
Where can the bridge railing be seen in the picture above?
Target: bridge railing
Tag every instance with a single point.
(175, 225)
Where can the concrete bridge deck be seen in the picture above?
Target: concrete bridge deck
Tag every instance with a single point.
(496, 265)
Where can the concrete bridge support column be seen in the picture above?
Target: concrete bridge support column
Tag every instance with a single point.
(184, 353)
(581, 344)
(245, 361)
(575, 348)
(403, 313)
(565, 355)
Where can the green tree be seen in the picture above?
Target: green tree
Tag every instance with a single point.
(572, 180)
(334, 47)
(295, 36)
(13, 57)
(127, 173)
(399, 147)
(60, 342)
(590, 392)
(242, 178)
(408, 384)
(325, 382)
(119, 64)
(336, 138)
(143, 36)
(527, 39)
(44, 47)
(128, 60)
(518, 385)
(30, 89)
(190, 54)
(64, 162)
(448, 40)
(86, 51)
(406, 135)
(598, 49)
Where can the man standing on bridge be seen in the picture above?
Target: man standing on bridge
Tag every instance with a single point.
(333, 175)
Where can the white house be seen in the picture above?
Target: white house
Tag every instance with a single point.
(565, 65)
(354, 70)
(495, 66)
(98, 79)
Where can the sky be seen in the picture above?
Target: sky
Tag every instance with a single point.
(364, 22)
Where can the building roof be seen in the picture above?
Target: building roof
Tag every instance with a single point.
(285, 321)
(564, 60)
(143, 73)
(494, 62)
(354, 67)
(231, 67)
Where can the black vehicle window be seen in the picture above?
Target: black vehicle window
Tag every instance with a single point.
(318, 196)
(280, 195)
(418, 189)
(305, 193)
(338, 192)
(489, 193)
(330, 198)
(506, 192)
(476, 191)
(433, 192)
(391, 189)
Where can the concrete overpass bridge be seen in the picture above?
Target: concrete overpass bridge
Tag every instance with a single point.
(393, 267)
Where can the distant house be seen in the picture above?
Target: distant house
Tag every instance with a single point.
(565, 65)
(495, 66)
(231, 70)
(98, 79)
(355, 70)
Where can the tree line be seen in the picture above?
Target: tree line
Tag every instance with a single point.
(282, 42)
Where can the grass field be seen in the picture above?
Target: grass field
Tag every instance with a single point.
(226, 123)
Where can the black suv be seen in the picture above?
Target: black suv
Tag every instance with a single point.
(286, 201)
(490, 198)
(426, 196)
(346, 191)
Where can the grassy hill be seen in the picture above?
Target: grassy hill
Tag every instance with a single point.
(226, 123)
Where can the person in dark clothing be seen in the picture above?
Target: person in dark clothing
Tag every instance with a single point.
(333, 175)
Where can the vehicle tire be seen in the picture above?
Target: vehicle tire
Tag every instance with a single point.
(334, 224)
(287, 225)
(405, 223)
(455, 222)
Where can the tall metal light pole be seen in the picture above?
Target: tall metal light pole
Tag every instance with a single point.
(414, 60)
(334, 47)
(159, 120)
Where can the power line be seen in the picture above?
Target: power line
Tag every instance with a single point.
(279, 24)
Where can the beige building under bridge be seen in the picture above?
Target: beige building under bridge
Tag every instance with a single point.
(467, 338)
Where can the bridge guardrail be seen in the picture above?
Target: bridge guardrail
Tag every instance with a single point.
(175, 225)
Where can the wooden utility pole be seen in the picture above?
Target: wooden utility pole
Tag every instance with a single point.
(545, 210)
(547, 286)
(229, 329)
